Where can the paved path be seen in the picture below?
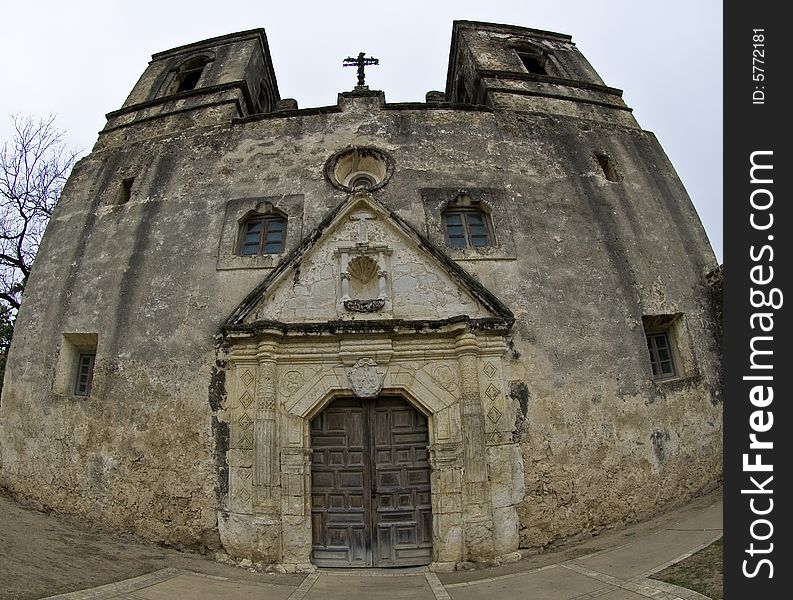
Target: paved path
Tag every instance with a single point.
(612, 566)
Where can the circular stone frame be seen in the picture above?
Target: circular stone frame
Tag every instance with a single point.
(353, 162)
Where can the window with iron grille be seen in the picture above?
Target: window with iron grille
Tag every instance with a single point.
(661, 355)
(262, 235)
(74, 369)
(467, 228)
(85, 374)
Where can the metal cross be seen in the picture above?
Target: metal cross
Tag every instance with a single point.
(360, 62)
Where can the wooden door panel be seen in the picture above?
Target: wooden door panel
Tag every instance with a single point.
(340, 488)
(401, 484)
(370, 490)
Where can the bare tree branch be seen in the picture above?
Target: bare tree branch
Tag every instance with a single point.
(34, 166)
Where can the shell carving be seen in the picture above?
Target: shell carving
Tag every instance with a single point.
(362, 268)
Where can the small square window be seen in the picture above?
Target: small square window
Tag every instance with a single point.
(74, 371)
(663, 334)
(609, 168)
(661, 357)
(125, 192)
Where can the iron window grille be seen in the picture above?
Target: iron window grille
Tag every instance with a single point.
(85, 374)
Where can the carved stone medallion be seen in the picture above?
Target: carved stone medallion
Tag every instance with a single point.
(365, 378)
(291, 381)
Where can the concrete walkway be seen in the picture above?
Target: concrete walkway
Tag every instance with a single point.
(611, 566)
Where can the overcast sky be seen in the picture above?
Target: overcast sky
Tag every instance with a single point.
(79, 59)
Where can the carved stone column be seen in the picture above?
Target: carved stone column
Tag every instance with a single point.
(447, 517)
(295, 511)
(266, 502)
(234, 524)
(477, 509)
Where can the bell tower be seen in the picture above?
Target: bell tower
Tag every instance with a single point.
(207, 82)
(528, 70)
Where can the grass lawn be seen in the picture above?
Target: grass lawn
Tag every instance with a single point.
(701, 572)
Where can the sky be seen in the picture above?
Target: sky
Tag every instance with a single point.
(78, 60)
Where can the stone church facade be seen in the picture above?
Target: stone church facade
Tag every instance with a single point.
(369, 334)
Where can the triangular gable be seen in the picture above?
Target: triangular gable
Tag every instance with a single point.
(365, 263)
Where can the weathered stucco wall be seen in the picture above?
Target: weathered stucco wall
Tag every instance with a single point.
(579, 260)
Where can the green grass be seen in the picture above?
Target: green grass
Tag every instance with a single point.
(701, 572)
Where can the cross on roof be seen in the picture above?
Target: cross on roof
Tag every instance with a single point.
(360, 62)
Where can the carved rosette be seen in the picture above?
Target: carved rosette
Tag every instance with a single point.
(444, 376)
(291, 382)
(365, 378)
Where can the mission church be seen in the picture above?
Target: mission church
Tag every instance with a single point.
(370, 334)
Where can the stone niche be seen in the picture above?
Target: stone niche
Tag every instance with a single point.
(363, 280)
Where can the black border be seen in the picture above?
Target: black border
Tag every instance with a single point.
(750, 127)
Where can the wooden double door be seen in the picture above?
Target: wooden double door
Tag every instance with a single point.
(370, 485)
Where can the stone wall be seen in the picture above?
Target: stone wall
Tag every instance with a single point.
(579, 260)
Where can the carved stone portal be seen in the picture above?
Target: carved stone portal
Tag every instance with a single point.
(399, 340)
(282, 383)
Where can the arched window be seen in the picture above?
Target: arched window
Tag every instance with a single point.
(466, 224)
(263, 104)
(534, 58)
(262, 234)
(461, 94)
(188, 74)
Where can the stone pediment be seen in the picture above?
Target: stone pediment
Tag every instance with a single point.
(365, 263)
